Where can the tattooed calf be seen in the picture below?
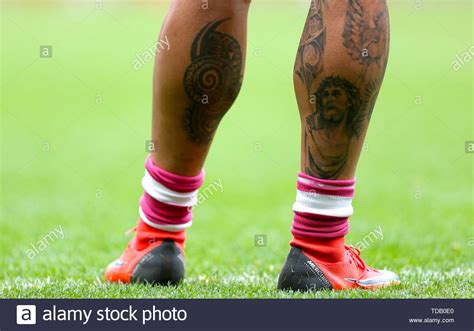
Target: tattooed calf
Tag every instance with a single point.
(309, 58)
(365, 36)
(212, 81)
(329, 129)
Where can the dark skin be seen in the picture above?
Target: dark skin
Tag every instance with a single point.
(327, 139)
(339, 68)
(336, 105)
(334, 110)
(195, 83)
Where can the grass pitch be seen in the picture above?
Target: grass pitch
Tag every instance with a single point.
(74, 128)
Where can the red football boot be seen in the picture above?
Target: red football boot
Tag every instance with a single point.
(153, 256)
(330, 265)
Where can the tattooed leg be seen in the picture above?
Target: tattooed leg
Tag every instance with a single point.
(197, 76)
(309, 62)
(336, 92)
(196, 80)
(339, 68)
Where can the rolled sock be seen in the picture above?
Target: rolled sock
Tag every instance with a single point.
(322, 208)
(167, 201)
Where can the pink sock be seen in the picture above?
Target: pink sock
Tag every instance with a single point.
(322, 208)
(168, 199)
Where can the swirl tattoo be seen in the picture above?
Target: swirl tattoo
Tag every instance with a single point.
(212, 81)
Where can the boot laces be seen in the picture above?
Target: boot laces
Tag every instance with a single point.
(354, 255)
(127, 233)
(134, 229)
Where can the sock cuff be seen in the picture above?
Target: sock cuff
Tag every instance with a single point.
(324, 197)
(322, 207)
(330, 187)
(170, 188)
(173, 181)
(168, 199)
(157, 224)
(334, 182)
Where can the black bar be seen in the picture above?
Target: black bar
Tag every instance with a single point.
(244, 314)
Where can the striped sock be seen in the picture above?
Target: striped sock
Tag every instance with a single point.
(321, 214)
(167, 201)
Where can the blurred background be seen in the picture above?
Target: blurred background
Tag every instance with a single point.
(75, 118)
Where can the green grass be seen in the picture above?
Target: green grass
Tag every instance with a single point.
(71, 162)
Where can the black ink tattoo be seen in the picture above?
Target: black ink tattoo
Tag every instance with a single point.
(337, 101)
(309, 58)
(370, 96)
(336, 120)
(212, 81)
(365, 36)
